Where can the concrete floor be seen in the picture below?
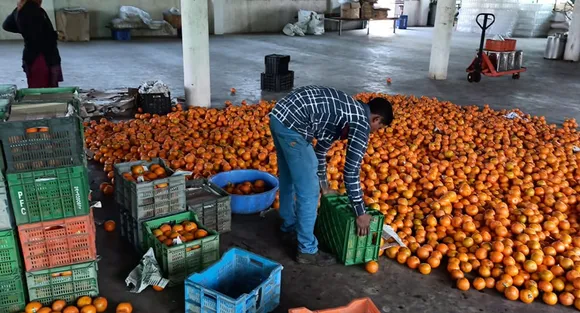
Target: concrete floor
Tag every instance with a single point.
(354, 63)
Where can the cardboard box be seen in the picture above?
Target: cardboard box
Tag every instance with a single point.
(73, 24)
(350, 10)
(380, 14)
(366, 11)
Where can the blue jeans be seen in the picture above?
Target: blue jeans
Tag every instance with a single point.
(299, 185)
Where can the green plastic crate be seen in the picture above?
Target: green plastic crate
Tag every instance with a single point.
(336, 230)
(9, 253)
(12, 294)
(67, 283)
(178, 262)
(62, 145)
(49, 194)
(22, 94)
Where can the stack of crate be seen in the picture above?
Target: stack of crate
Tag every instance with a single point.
(12, 292)
(142, 201)
(277, 77)
(148, 202)
(45, 169)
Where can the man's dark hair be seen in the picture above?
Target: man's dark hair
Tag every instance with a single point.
(383, 108)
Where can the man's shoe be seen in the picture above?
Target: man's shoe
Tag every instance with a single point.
(320, 258)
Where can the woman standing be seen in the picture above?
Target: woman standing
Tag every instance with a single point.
(40, 59)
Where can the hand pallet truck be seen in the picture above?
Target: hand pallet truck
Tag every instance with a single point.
(482, 64)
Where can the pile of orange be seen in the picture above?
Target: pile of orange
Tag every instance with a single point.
(186, 231)
(84, 304)
(247, 188)
(466, 188)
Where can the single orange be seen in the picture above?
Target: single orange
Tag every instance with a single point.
(372, 267)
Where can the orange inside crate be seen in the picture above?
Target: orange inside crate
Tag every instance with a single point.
(58, 243)
(363, 305)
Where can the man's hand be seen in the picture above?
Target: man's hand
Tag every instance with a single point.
(363, 223)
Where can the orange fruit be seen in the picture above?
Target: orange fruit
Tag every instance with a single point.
(165, 228)
(425, 268)
(124, 307)
(413, 262)
(200, 233)
(190, 226)
(566, 298)
(577, 303)
(372, 267)
(479, 283)
(177, 228)
(463, 284)
(526, 296)
(550, 298)
(84, 300)
(512, 293)
(109, 225)
(44, 310)
(58, 305)
(70, 309)
(88, 309)
(100, 304)
(33, 307)
(137, 170)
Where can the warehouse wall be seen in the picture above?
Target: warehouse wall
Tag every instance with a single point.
(250, 16)
(239, 16)
(103, 11)
(6, 8)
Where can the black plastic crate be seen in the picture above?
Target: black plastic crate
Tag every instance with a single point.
(277, 82)
(155, 103)
(277, 64)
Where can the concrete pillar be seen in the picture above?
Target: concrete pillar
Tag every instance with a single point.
(194, 19)
(441, 45)
(423, 12)
(218, 17)
(572, 51)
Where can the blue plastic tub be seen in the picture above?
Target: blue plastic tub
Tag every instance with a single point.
(249, 204)
(121, 34)
(241, 282)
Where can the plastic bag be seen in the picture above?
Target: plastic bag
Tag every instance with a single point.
(390, 238)
(133, 14)
(293, 29)
(313, 22)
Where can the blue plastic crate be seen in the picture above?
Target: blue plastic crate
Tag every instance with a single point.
(241, 282)
(121, 34)
(401, 23)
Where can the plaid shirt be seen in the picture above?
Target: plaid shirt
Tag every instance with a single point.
(323, 113)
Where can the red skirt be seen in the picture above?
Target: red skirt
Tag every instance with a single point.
(40, 75)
